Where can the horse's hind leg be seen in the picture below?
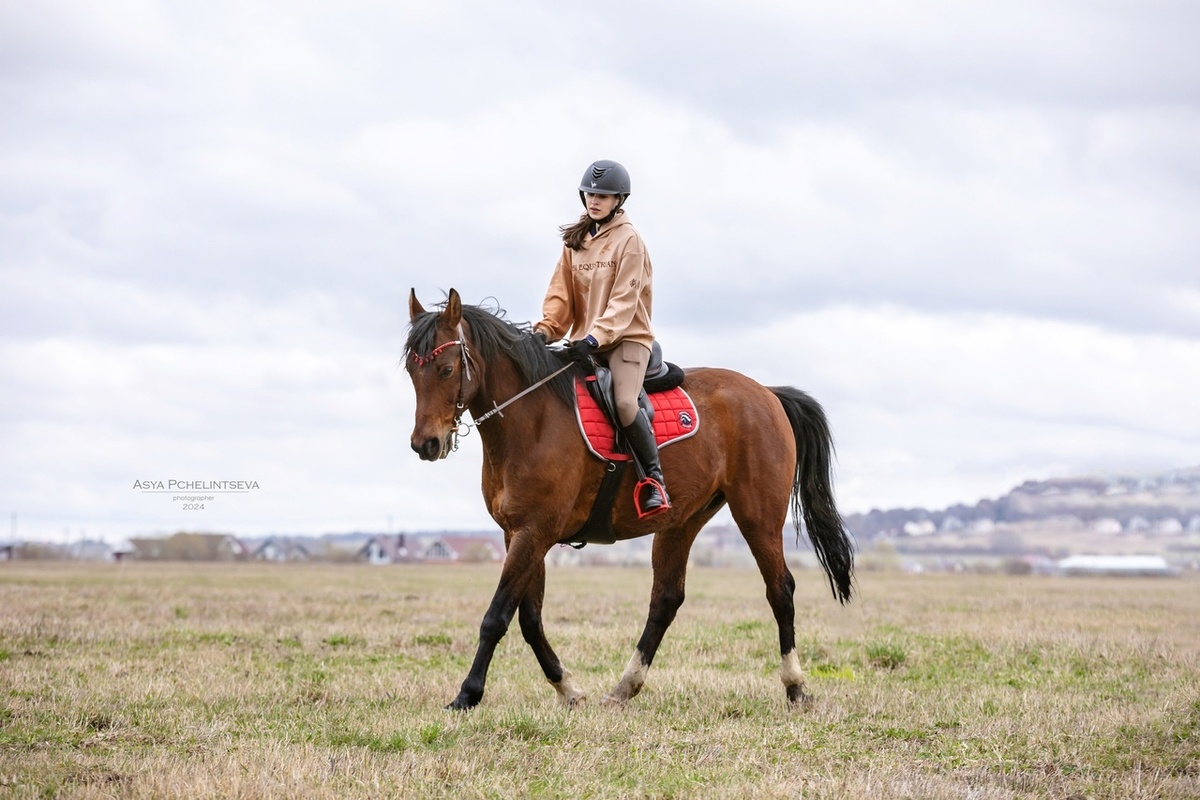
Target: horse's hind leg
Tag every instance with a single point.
(669, 557)
(530, 617)
(761, 529)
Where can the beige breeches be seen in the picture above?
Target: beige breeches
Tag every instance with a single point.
(627, 362)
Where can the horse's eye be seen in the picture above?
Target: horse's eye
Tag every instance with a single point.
(446, 371)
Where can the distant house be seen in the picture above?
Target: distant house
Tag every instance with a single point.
(385, 549)
(224, 547)
(277, 548)
(982, 525)
(923, 527)
(951, 524)
(1168, 527)
(404, 548)
(7, 552)
(463, 549)
(1107, 525)
(1139, 565)
(231, 548)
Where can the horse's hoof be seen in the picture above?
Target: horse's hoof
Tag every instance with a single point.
(461, 703)
(612, 701)
(569, 694)
(798, 699)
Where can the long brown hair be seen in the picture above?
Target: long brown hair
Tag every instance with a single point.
(575, 234)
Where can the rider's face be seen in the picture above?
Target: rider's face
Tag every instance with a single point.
(600, 206)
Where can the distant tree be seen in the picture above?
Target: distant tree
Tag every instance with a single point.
(182, 546)
(1016, 566)
(30, 551)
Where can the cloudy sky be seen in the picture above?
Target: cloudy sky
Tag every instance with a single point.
(971, 230)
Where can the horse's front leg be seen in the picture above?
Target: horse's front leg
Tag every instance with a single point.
(515, 579)
(531, 628)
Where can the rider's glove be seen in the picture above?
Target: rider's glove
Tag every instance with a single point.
(582, 350)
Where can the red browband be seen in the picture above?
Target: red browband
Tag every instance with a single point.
(423, 360)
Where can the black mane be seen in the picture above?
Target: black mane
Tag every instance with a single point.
(492, 336)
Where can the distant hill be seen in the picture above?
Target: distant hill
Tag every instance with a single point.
(1169, 503)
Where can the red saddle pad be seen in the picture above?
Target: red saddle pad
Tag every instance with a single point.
(675, 418)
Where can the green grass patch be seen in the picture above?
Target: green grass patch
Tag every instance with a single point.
(433, 640)
(832, 672)
(345, 640)
(886, 655)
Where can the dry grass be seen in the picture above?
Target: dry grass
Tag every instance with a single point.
(147, 680)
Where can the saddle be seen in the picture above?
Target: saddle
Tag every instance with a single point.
(672, 413)
(673, 417)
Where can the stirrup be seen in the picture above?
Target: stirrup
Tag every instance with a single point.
(649, 483)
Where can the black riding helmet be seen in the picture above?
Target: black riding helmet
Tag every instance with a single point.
(605, 177)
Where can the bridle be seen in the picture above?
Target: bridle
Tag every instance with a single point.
(461, 428)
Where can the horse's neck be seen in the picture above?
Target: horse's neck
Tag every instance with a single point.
(519, 420)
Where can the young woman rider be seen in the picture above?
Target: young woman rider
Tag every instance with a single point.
(600, 294)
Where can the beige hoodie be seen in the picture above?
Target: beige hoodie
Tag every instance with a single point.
(602, 289)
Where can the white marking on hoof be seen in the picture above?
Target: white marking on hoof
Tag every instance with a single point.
(790, 671)
(631, 681)
(792, 675)
(569, 694)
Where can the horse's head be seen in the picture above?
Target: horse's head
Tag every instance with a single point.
(439, 365)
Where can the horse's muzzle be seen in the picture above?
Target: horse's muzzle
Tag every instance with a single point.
(432, 449)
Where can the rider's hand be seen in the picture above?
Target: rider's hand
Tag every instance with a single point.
(583, 349)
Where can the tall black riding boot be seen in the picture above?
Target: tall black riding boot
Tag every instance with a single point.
(650, 495)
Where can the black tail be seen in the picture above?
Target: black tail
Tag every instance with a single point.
(812, 490)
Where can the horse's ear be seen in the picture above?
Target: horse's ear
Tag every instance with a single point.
(415, 309)
(452, 315)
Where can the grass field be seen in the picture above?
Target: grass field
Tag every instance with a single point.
(173, 680)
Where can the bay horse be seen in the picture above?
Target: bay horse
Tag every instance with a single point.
(761, 451)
